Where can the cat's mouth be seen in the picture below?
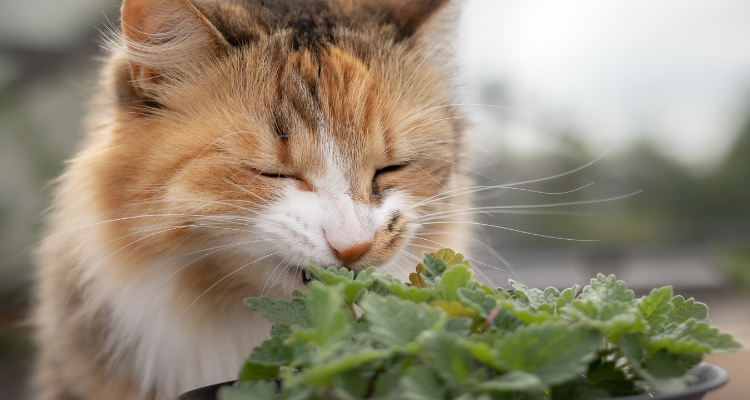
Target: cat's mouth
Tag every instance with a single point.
(305, 275)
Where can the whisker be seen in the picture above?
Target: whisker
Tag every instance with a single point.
(428, 174)
(508, 229)
(472, 189)
(455, 213)
(262, 292)
(220, 280)
(442, 246)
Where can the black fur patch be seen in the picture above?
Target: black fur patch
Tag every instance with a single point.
(311, 22)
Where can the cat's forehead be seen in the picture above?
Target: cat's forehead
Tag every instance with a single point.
(332, 101)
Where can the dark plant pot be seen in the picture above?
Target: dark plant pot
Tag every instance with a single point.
(710, 377)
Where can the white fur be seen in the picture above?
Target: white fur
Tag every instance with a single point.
(167, 351)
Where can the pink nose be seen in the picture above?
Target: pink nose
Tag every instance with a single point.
(351, 254)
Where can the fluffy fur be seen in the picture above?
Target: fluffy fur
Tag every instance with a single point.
(231, 141)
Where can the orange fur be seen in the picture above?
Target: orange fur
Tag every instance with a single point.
(205, 121)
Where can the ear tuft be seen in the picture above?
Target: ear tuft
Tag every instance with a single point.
(163, 37)
(409, 15)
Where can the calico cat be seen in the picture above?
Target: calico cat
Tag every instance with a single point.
(230, 142)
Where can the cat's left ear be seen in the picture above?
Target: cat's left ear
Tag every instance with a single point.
(163, 37)
(408, 15)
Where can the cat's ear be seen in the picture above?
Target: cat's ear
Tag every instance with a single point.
(409, 15)
(162, 37)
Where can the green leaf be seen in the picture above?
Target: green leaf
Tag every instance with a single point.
(605, 376)
(397, 322)
(568, 295)
(289, 313)
(321, 374)
(693, 336)
(685, 310)
(606, 289)
(260, 390)
(512, 381)
(460, 326)
(657, 307)
(421, 383)
(527, 314)
(452, 361)
(548, 300)
(329, 315)
(412, 293)
(482, 302)
(433, 268)
(577, 390)
(664, 365)
(630, 346)
(256, 372)
(554, 351)
(331, 276)
(456, 277)
(613, 319)
(272, 352)
(280, 330)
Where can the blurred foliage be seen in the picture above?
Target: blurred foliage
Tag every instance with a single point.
(674, 207)
(737, 268)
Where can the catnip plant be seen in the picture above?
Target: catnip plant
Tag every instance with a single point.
(444, 335)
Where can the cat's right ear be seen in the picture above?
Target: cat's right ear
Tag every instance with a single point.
(164, 38)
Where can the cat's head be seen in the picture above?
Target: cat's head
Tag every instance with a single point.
(299, 129)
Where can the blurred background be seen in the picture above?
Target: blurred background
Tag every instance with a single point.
(656, 93)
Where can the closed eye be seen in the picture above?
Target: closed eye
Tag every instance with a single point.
(390, 168)
(273, 175)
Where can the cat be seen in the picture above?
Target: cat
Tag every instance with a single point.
(229, 143)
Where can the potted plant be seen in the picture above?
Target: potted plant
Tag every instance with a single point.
(446, 336)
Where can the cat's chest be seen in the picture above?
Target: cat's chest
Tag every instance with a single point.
(169, 352)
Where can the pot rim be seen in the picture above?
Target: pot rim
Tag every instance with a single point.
(710, 376)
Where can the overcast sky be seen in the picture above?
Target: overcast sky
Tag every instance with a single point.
(675, 71)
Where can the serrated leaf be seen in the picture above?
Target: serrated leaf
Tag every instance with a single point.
(272, 352)
(613, 319)
(606, 289)
(285, 312)
(433, 268)
(684, 310)
(417, 279)
(664, 365)
(457, 277)
(280, 330)
(630, 346)
(320, 374)
(452, 361)
(261, 390)
(554, 351)
(482, 302)
(256, 372)
(414, 293)
(657, 307)
(331, 275)
(529, 315)
(693, 336)
(328, 313)
(398, 322)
